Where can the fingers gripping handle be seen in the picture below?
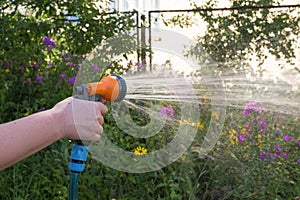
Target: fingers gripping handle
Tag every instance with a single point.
(110, 88)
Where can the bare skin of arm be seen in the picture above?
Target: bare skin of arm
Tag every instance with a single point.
(70, 118)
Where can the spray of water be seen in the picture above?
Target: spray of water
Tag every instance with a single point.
(276, 95)
(172, 96)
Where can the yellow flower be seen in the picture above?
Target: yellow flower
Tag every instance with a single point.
(233, 132)
(215, 115)
(234, 140)
(122, 174)
(26, 114)
(140, 150)
(233, 137)
(259, 136)
(189, 122)
(200, 126)
(182, 158)
(7, 71)
(259, 143)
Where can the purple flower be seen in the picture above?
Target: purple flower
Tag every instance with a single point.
(287, 138)
(94, 67)
(63, 75)
(171, 111)
(277, 153)
(27, 81)
(6, 64)
(35, 66)
(298, 160)
(50, 64)
(276, 147)
(111, 72)
(71, 64)
(167, 112)
(278, 131)
(248, 128)
(262, 155)
(49, 43)
(66, 57)
(111, 64)
(138, 64)
(298, 143)
(47, 40)
(209, 158)
(263, 125)
(42, 109)
(286, 154)
(38, 79)
(242, 138)
(72, 80)
(252, 106)
(271, 156)
(164, 110)
(22, 68)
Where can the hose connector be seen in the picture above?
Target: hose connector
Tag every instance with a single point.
(78, 158)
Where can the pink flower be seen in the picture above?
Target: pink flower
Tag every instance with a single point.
(138, 64)
(276, 147)
(167, 112)
(242, 137)
(287, 138)
(94, 67)
(252, 106)
(286, 154)
(262, 155)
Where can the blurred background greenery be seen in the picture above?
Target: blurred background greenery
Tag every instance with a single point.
(42, 46)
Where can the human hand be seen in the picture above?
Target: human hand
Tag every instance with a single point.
(79, 119)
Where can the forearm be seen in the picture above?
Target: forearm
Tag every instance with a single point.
(24, 137)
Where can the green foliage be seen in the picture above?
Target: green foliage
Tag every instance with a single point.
(238, 33)
(24, 56)
(231, 171)
(258, 166)
(244, 31)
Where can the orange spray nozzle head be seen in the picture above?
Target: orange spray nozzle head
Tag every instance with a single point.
(111, 88)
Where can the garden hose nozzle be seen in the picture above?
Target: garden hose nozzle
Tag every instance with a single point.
(110, 88)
